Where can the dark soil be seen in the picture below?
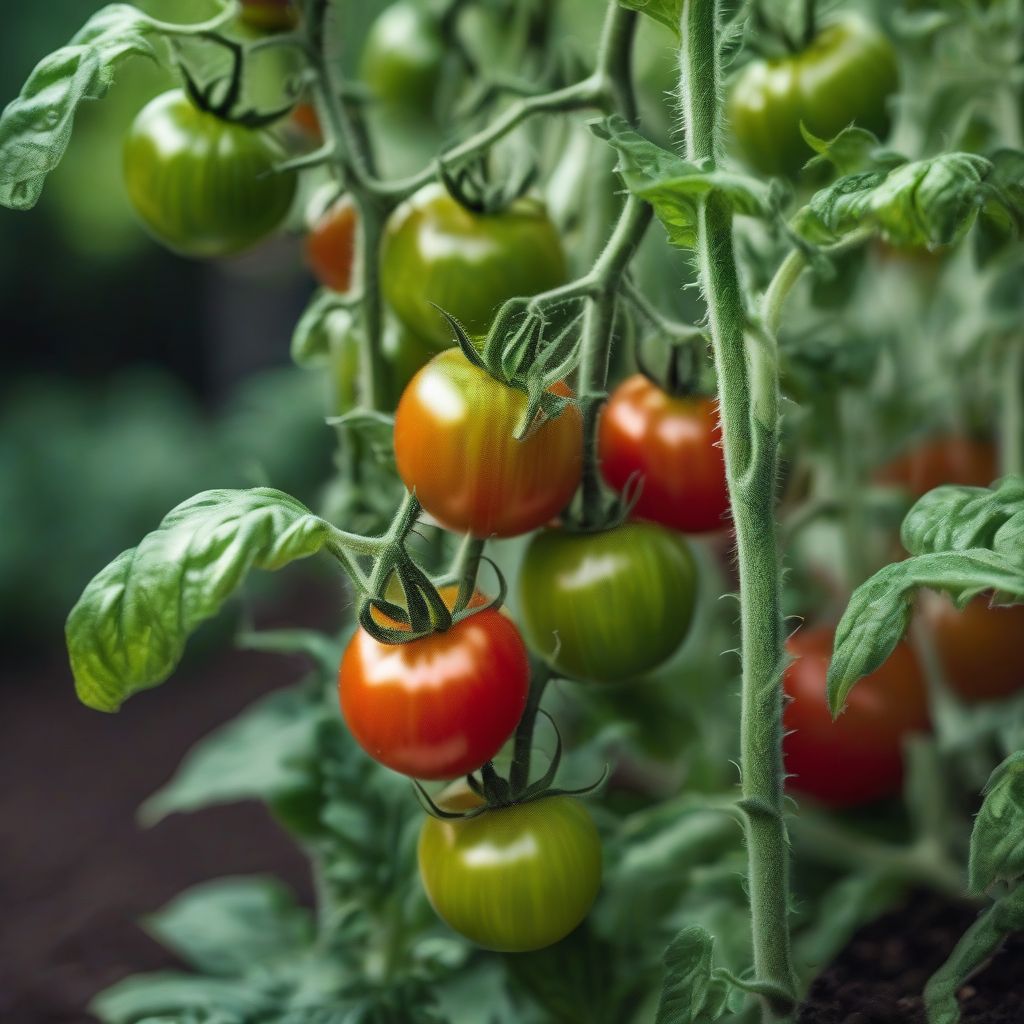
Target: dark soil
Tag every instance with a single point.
(75, 870)
(879, 977)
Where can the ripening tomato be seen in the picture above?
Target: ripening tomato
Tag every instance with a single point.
(951, 459)
(610, 605)
(675, 445)
(331, 245)
(513, 879)
(858, 757)
(402, 57)
(981, 648)
(271, 15)
(202, 186)
(436, 251)
(846, 74)
(455, 448)
(440, 706)
(304, 117)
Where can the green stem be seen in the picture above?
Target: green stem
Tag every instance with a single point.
(404, 520)
(1011, 441)
(466, 568)
(519, 773)
(748, 399)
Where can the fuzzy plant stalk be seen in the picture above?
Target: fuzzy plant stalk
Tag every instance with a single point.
(748, 400)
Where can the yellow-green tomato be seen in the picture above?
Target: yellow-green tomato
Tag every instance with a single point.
(435, 251)
(202, 186)
(846, 75)
(607, 606)
(514, 879)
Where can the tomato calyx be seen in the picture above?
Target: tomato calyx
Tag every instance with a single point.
(471, 186)
(681, 377)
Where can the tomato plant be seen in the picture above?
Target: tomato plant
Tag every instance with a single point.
(858, 757)
(203, 187)
(440, 706)
(436, 252)
(331, 245)
(513, 879)
(610, 605)
(675, 446)
(402, 57)
(848, 73)
(455, 447)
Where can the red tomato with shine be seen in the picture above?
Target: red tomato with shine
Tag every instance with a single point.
(331, 245)
(675, 444)
(858, 757)
(440, 706)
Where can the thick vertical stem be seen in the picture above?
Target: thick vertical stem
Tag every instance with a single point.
(1012, 426)
(748, 402)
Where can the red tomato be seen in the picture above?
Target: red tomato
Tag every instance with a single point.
(304, 117)
(980, 648)
(455, 448)
(951, 459)
(675, 444)
(858, 757)
(440, 706)
(331, 245)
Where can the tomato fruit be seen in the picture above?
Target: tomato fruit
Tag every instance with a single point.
(440, 706)
(331, 245)
(675, 444)
(513, 879)
(402, 57)
(455, 448)
(271, 15)
(202, 186)
(951, 459)
(858, 757)
(980, 647)
(304, 118)
(607, 606)
(436, 251)
(846, 74)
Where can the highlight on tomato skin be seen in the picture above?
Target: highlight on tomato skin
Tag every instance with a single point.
(858, 757)
(674, 445)
(440, 706)
(514, 879)
(455, 446)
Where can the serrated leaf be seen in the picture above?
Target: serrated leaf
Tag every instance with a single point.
(997, 841)
(182, 997)
(959, 518)
(879, 610)
(692, 993)
(35, 128)
(128, 630)
(674, 186)
(265, 753)
(853, 150)
(665, 12)
(227, 926)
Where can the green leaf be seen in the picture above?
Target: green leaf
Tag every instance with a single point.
(265, 753)
(674, 187)
(174, 997)
(225, 926)
(375, 429)
(879, 610)
(693, 993)
(36, 127)
(665, 12)
(324, 323)
(997, 841)
(128, 630)
(959, 518)
(853, 150)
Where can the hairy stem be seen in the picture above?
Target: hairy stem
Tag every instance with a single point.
(748, 401)
(519, 773)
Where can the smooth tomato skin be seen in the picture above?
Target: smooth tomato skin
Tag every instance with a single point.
(515, 879)
(270, 15)
(402, 57)
(846, 75)
(981, 648)
(858, 758)
(440, 706)
(203, 187)
(331, 245)
(454, 446)
(951, 459)
(607, 606)
(675, 444)
(436, 251)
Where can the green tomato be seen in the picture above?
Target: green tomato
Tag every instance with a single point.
(203, 187)
(402, 55)
(845, 75)
(514, 879)
(436, 251)
(607, 606)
